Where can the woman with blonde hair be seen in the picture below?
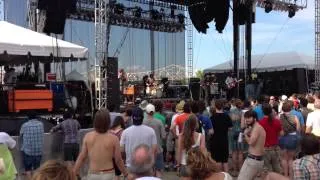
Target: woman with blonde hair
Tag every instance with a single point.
(188, 139)
(203, 167)
(54, 170)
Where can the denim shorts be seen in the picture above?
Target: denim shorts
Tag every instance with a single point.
(31, 162)
(288, 142)
(159, 165)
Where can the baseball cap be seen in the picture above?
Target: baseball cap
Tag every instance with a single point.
(150, 108)
(143, 105)
(284, 97)
(137, 114)
(179, 106)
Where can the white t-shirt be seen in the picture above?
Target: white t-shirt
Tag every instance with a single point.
(7, 140)
(313, 121)
(135, 136)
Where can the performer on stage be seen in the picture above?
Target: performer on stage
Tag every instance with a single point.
(231, 83)
(151, 80)
(123, 79)
(145, 84)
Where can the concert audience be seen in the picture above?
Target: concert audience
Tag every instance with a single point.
(288, 142)
(142, 163)
(7, 167)
(237, 148)
(136, 135)
(117, 129)
(219, 143)
(255, 136)
(273, 130)
(188, 139)
(179, 121)
(70, 128)
(158, 110)
(233, 125)
(54, 170)
(32, 135)
(203, 167)
(101, 147)
(258, 108)
(313, 120)
(159, 130)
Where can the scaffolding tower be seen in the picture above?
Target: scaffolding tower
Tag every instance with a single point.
(189, 47)
(102, 32)
(317, 42)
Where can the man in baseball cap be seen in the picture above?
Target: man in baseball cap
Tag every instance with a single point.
(136, 135)
(158, 128)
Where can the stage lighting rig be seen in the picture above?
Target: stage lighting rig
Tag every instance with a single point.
(119, 9)
(172, 12)
(156, 19)
(181, 18)
(268, 6)
(291, 6)
(137, 11)
(291, 11)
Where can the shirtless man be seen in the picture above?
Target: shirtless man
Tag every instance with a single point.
(100, 146)
(255, 136)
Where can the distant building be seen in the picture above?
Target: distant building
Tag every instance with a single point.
(134, 54)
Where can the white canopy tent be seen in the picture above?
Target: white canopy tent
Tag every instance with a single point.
(270, 62)
(18, 45)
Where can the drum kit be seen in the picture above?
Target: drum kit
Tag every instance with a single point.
(155, 90)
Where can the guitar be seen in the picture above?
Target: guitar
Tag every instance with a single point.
(233, 83)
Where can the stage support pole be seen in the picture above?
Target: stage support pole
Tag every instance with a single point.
(236, 42)
(249, 37)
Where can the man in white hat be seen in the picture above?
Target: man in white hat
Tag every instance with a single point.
(158, 128)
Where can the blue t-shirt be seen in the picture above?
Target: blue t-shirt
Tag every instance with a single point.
(299, 115)
(259, 112)
(206, 122)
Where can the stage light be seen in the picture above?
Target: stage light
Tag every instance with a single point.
(173, 8)
(268, 6)
(292, 11)
(119, 9)
(137, 12)
(181, 18)
(154, 14)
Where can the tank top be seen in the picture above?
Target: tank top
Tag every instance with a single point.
(184, 152)
(288, 124)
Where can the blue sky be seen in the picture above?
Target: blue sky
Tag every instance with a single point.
(272, 32)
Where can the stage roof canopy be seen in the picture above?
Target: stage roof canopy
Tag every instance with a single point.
(19, 45)
(270, 62)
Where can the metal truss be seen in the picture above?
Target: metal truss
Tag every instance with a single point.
(172, 72)
(133, 17)
(284, 5)
(102, 31)
(190, 48)
(317, 43)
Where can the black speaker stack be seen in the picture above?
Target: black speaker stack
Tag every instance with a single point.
(56, 13)
(194, 86)
(113, 83)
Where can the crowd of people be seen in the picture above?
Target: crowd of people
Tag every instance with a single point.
(268, 137)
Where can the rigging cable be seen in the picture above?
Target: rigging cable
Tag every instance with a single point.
(273, 40)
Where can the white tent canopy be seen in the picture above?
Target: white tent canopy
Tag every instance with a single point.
(270, 62)
(17, 42)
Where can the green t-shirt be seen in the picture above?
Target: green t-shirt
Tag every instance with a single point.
(10, 168)
(160, 117)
